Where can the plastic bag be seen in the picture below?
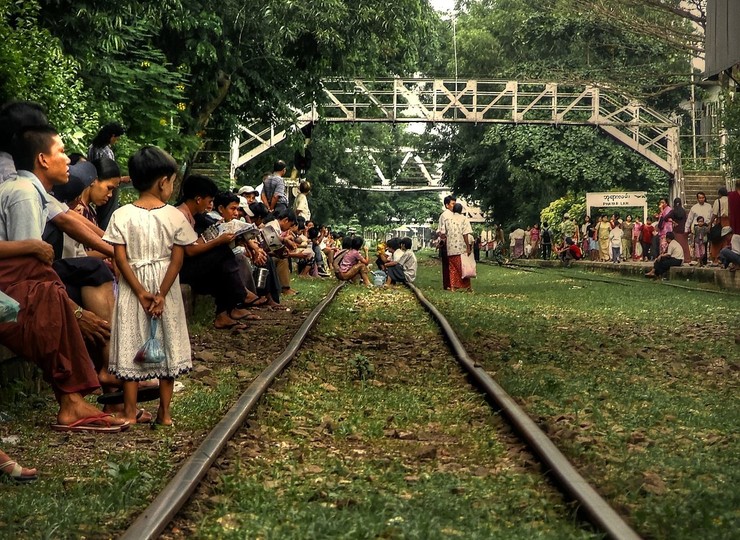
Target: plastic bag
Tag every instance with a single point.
(379, 277)
(152, 352)
(9, 308)
(468, 265)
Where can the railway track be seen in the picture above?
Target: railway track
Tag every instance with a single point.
(616, 280)
(164, 509)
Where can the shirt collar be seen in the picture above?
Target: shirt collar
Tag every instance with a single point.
(37, 184)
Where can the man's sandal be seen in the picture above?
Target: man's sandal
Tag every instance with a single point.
(16, 474)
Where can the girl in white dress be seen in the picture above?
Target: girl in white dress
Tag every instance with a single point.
(148, 238)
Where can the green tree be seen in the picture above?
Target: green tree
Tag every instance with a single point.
(34, 67)
(199, 67)
(515, 171)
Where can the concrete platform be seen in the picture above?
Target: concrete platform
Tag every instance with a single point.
(717, 276)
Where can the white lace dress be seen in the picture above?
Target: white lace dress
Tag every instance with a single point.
(149, 236)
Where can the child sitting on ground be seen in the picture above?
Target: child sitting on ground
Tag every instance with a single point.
(346, 244)
(353, 263)
(149, 239)
(402, 269)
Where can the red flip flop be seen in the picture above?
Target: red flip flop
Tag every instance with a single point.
(99, 423)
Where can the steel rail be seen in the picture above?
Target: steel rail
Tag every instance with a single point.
(596, 509)
(165, 506)
(625, 280)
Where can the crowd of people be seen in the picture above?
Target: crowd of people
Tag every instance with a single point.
(705, 235)
(96, 280)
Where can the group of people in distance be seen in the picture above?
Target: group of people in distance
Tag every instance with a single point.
(704, 235)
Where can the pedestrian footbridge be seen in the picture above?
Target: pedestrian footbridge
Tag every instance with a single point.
(397, 100)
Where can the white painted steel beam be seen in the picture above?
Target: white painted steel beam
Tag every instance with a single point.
(645, 131)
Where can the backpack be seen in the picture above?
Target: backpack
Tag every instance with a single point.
(546, 235)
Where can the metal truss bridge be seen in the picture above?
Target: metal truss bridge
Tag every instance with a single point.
(645, 131)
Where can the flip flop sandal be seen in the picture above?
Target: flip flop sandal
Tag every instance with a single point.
(148, 393)
(143, 416)
(17, 473)
(92, 424)
(261, 301)
(232, 326)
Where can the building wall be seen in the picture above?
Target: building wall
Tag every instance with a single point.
(723, 37)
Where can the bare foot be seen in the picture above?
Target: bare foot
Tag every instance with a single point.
(223, 322)
(10, 465)
(238, 314)
(72, 407)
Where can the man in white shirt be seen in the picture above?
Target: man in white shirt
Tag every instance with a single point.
(700, 209)
(672, 257)
(14, 117)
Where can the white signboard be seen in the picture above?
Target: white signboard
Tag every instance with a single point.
(615, 199)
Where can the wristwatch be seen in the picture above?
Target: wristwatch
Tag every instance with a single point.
(78, 312)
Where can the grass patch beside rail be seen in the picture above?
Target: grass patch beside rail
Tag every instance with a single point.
(375, 432)
(637, 384)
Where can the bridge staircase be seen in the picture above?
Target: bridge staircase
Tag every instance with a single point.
(706, 181)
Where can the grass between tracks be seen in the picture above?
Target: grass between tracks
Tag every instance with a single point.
(638, 385)
(374, 432)
(94, 486)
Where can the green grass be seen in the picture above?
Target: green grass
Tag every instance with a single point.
(638, 384)
(409, 452)
(95, 486)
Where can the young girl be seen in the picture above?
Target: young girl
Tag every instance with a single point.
(701, 231)
(353, 263)
(148, 238)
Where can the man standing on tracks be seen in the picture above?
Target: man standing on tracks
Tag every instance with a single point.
(273, 192)
(449, 202)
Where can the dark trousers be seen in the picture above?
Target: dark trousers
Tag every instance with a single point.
(215, 273)
(53, 236)
(663, 265)
(396, 273)
(445, 267)
(546, 251)
(646, 250)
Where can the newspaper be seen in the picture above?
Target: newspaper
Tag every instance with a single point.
(236, 227)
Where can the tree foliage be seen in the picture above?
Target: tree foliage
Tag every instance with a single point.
(34, 67)
(515, 171)
(180, 67)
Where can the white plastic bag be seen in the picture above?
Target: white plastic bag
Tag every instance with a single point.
(152, 352)
(468, 265)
